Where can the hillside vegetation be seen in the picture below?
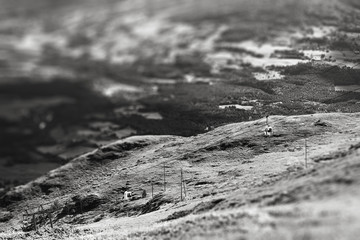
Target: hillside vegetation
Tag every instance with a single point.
(238, 184)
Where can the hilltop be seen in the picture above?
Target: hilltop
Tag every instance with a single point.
(239, 184)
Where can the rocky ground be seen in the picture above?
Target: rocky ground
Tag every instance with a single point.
(239, 185)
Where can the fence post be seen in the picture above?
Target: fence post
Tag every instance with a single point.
(34, 222)
(152, 189)
(81, 206)
(26, 214)
(50, 217)
(67, 208)
(181, 185)
(164, 179)
(184, 185)
(42, 209)
(23, 221)
(305, 153)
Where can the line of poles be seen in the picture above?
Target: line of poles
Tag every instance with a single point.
(48, 212)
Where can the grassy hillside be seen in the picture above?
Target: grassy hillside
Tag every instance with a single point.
(238, 184)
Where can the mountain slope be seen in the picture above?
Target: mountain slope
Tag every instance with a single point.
(238, 184)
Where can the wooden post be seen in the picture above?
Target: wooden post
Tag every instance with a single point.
(67, 208)
(152, 189)
(41, 208)
(181, 183)
(164, 179)
(81, 206)
(34, 222)
(26, 214)
(50, 217)
(184, 185)
(305, 153)
(23, 221)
